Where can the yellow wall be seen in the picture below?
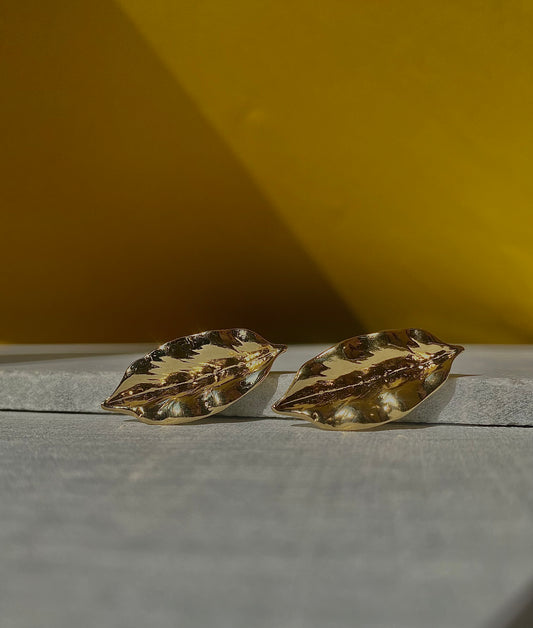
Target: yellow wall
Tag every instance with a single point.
(307, 169)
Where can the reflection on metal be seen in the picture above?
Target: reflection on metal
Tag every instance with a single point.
(368, 380)
(193, 377)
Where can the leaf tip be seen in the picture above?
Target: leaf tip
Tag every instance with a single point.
(281, 406)
(109, 404)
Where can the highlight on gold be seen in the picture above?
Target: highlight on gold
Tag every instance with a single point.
(194, 376)
(369, 380)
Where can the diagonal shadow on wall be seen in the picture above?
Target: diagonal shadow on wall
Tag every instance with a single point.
(126, 217)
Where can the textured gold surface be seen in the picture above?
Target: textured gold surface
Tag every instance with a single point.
(194, 376)
(368, 380)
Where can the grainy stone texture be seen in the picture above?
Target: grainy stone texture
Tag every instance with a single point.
(490, 385)
(234, 523)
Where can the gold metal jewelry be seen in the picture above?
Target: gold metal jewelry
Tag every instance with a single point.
(368, 380)
(193, 377)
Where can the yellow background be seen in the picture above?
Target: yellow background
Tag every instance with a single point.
(307, 169)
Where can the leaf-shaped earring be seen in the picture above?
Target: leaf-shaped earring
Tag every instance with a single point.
(368, 380)
(193, 377)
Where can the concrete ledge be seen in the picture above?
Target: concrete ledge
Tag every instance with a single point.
(489, 385)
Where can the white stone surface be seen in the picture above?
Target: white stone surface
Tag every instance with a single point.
(107, 522)
(489, 385)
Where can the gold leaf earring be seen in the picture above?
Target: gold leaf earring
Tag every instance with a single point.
(193, 377)
(368, 380)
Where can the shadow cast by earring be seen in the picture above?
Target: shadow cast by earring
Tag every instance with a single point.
(207, 421)
(380, 428)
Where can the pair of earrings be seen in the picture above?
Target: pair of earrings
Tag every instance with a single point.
(359, 383)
